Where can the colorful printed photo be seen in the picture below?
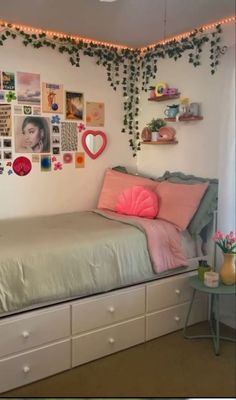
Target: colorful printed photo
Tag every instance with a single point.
(52, 98)
(28, 87)
(32, 134)
(95, 114)
(8, 81)
(5, 120)
(74, 105)
(46, 163)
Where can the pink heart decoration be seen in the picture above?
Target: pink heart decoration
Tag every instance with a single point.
(96, 154)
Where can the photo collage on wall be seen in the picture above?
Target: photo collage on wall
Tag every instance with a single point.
(41, 123)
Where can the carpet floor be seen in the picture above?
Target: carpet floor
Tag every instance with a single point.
(169, 366)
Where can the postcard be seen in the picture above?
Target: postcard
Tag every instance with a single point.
(95, 113)
(52, 98)
(28, 88)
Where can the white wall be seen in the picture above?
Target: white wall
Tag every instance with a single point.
(197, 150)
(72, 188)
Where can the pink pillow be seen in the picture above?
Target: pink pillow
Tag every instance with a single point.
(138, 201)
(179, 202)
(115, 183)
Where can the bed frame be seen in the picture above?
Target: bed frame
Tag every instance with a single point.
(43, 342)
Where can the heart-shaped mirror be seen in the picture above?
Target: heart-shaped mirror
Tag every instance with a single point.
(94, 143)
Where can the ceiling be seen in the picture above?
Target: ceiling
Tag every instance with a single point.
(134, 23)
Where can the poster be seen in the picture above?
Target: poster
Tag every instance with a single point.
(8, 81)
(69, 136)
(95, 114)
(52, 98)
(5, 120)
(74, 105)
(28, 88)
(32, 134)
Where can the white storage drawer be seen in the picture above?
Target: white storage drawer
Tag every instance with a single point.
(34, 365)
(105, 341)
(172, 319)
(107, 309)
(20, 333)
(168, 292)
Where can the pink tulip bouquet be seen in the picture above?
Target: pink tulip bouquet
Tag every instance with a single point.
(227, 243)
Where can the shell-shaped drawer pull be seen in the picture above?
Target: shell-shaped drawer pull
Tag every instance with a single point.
(111, 309)
(176, 318)
(111, 340)
(26, 369)
(25, 334)
(177, 291)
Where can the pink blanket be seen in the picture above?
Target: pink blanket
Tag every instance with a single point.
(163, 239)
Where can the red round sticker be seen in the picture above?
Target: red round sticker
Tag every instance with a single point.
(22, 166)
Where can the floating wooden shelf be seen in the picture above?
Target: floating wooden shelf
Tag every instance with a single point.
(161, 142)
(183, 119)
(164, 97)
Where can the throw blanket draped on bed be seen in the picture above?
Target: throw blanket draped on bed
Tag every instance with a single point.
(164, 240)
(54, 258)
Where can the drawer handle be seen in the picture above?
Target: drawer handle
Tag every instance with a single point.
(25, 334)
(177, 291)
(177, 319)
(111, 340)
(26, 369)
(111, 309)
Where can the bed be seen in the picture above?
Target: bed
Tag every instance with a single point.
(75, 287)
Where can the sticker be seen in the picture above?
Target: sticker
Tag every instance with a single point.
(7, 155)
(10, 96)
(36, 110)
(55, 129)
(35, 157)
(67, 158)
(58, 166)
(56, 150)
(7, 143)
(55, 119)
(27, 110)
(22, 166)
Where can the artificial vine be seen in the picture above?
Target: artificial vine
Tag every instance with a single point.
(131, 68)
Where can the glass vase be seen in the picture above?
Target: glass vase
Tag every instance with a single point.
(228, 269)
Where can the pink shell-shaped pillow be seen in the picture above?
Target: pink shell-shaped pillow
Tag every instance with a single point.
(138, 201)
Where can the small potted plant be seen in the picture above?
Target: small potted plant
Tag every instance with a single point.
(155, 125)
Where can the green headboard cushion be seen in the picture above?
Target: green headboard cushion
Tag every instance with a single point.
(204, 214)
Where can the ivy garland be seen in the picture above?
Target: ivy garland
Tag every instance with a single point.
(132, 69)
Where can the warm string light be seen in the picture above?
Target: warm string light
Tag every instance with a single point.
(77, 38)
(187, 34)
(31, 29)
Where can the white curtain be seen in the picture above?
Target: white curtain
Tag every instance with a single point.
(227, 182)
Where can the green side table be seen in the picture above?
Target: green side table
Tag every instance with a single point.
(214, 294)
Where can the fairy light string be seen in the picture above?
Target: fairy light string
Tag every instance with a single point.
(132, 68)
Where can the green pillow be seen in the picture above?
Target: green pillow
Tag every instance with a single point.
(208, 204)
(119, 168)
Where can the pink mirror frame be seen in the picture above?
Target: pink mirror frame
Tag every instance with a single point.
(101, 149)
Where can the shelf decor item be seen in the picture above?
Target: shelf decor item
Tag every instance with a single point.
(154, 126)
(160, 87)
(227, 243)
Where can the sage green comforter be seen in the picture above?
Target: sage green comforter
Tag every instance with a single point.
(51, 258)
